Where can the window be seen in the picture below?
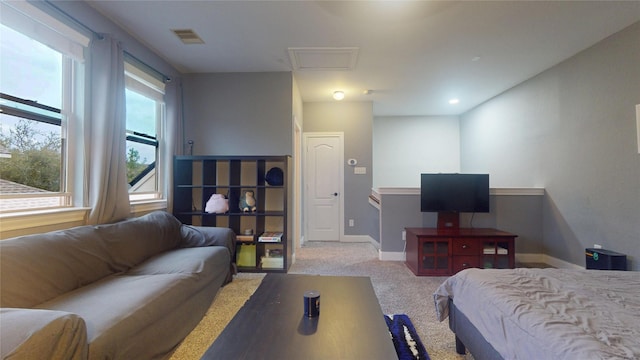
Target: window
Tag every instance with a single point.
(40, 60)
(145, 116)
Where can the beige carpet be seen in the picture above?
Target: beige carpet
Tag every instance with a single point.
(397, 289)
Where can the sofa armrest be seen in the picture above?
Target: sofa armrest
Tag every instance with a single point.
(40, 334)
(197, 236)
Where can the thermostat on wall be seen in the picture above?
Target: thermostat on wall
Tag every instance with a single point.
(352, 162)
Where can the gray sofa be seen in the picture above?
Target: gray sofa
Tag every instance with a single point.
(128, 290)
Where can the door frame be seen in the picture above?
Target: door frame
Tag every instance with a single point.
(305, 190)
(297, 188)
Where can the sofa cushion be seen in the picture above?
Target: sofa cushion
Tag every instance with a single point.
(29, 333)
(119, 308)
(195, 261)
(37, 268)
(133, 241)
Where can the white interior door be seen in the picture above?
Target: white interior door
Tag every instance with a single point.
(323, 179)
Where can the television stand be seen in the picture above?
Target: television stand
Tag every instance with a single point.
(444, 252)
(448, 220)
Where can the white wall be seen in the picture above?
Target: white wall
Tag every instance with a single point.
(404, 147)
(572, 131)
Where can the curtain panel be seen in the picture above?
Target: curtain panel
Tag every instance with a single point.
(105, 134)
(174, 134)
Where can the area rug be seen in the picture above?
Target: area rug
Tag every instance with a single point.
(405, 338)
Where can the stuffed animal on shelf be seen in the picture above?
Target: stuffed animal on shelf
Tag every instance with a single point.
(247, 201)
(217, 204)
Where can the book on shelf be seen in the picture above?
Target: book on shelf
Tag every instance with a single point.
(270, 236)
(490, 250)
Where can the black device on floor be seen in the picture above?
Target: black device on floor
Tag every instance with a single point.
(601, 259)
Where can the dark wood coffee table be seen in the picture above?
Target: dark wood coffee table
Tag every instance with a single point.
(272, 325)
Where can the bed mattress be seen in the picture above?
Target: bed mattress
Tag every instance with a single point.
(549, 313)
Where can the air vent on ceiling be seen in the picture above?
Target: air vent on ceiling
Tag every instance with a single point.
(323, 58)
(188, 36)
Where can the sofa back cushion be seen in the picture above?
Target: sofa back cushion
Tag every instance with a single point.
(133, 241)
(37, 268)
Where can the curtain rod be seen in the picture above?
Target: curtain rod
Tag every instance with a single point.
(74, 20)
(98, 35)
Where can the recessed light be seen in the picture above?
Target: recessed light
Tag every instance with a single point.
(338, 95)
(454, 101)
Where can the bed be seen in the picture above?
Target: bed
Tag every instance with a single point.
(543, 313)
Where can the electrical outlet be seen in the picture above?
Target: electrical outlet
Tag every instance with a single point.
(597, 246)
(351, 222)
(404, 235)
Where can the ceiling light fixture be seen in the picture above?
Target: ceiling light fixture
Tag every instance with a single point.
(338, 95)
(454, 101)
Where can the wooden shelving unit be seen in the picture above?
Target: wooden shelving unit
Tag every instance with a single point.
(196, 178)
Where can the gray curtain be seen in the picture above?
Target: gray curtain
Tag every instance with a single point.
(105, 147)
(174, 143)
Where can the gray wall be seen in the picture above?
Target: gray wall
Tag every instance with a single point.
(518, 214)
(89, 17)
(239, 113)
(355, 120)
(571, 130)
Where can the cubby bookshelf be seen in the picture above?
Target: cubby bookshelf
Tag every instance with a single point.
(196, 178)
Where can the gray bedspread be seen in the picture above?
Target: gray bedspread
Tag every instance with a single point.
(549, 313)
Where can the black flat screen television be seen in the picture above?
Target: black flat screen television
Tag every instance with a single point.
(454, 193)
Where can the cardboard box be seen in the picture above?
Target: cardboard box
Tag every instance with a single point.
(245, 238)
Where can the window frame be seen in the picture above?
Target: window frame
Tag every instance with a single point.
(151, 87)
(49, 21)
(71, 44)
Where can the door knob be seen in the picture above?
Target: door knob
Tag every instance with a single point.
(335, 194)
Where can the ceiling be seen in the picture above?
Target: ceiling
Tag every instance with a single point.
(413, 56)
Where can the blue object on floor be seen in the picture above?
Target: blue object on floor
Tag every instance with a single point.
(405, 338)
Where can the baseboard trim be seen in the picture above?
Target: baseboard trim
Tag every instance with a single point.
(523, 257)
(531, 258)
(391, 256)
(356, 238)
(546, 259)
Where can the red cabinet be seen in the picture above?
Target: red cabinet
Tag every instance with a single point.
(431, 251)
